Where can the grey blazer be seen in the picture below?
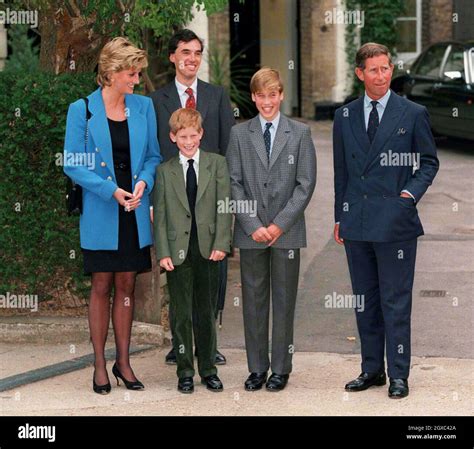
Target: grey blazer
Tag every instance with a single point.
(214, 105)
(280, 188)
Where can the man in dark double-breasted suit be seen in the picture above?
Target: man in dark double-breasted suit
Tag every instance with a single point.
(384, 161)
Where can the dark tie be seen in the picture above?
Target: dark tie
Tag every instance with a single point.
(191, 191)
(267, 138)
(373, 121)
(191, 101)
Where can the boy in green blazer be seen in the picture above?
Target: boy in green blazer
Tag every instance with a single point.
(192, 233)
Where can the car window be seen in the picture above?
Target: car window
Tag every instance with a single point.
(471, 63)
(430, 62)
(454, 67)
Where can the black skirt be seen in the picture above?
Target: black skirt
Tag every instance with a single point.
(129, 256)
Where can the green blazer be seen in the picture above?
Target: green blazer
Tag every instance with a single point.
(172, 216)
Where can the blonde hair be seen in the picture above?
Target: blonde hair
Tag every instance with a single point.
(117, 55)
(185, 118)
(266, 78)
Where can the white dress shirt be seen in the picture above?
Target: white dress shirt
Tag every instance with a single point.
(183, 160)
(382, 104)
(183, 96)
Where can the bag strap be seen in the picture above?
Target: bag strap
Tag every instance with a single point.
(88, 116)
(88, 113)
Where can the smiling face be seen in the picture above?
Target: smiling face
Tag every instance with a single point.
(187, 59)
(376, 76)
(125, 81)
(187, 140)
(268, 103)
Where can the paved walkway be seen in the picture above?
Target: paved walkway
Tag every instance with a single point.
(326, 339)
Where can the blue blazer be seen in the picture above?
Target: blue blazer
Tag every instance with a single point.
(369, 178)
(94, 170)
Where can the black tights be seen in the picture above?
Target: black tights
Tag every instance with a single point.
(122, 318)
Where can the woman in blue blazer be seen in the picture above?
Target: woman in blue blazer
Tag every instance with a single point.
(113, 155)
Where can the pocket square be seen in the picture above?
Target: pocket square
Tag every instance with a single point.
(401, 131)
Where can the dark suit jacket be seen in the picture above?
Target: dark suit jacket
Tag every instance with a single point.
(214, 105)
(368, 179)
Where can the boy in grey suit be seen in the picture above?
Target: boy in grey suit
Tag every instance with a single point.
(272, 165)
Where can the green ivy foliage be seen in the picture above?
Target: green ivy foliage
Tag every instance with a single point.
(37, 238)
(379, 26)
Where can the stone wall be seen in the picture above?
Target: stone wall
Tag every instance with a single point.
(437, 21)
(323, 58)
(3, 46)
(219, 38)
(441, 20)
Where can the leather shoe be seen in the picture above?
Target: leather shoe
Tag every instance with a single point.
(220, 358)
(277, 382)
(212, 383)
(255, 381)
(398, 388)
(186, 385)
(367, 380)
(170, 358)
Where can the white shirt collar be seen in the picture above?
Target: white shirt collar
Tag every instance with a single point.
(382, 101)
(182, 87)
(275, 121)
(183, 160)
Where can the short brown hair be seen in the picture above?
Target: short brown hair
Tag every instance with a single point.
(266, 78)
(185, 118)
(117, 55)
(184, 35)
(370, 50)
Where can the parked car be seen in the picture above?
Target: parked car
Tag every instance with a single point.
(442, 79)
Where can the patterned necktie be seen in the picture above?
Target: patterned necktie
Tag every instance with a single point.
(267, 138)
(191, 192)
(191, 101)
(373, 121)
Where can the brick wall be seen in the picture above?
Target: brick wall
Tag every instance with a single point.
(318, 54)
(437, 24)
(306, 57)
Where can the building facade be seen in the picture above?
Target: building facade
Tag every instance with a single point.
(296, 37)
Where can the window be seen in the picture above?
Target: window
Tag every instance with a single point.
(470, 61)
(409, 30)
(430, 63)
(454, 67)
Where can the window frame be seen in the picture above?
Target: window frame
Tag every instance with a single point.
(469, 54)
(406, 56)
(414, 71)
(452, 48)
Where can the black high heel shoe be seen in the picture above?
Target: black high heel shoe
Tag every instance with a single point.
(137, 385)
(100, 389)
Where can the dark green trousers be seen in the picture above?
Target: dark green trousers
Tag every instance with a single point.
(193, 286)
